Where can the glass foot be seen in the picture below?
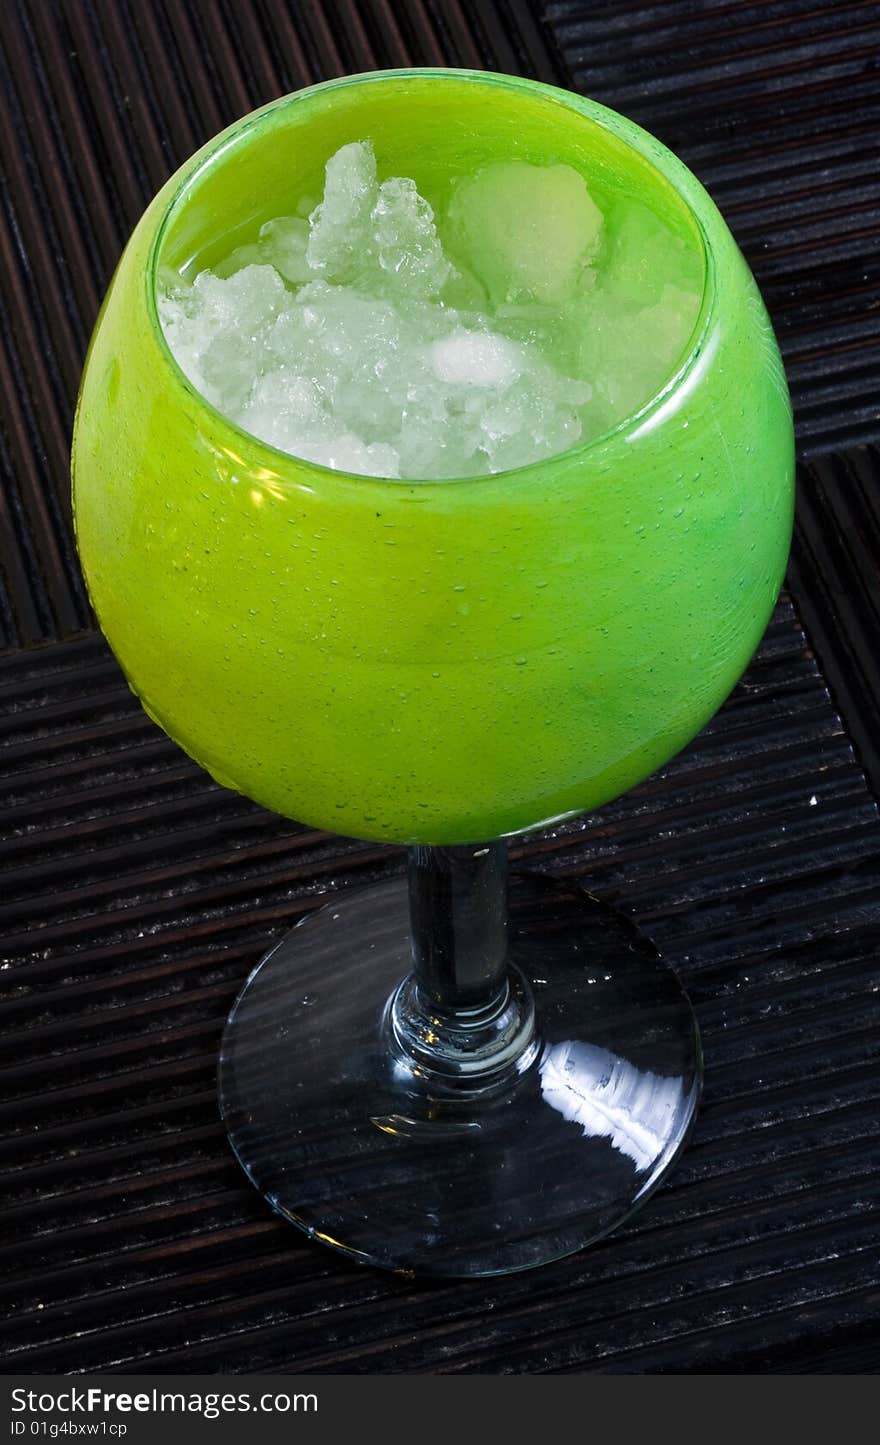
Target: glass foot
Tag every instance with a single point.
(347, 1139)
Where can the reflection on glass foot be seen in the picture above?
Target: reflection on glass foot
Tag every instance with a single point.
(348, 1136)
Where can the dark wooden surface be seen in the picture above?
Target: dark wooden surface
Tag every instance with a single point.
(135, 894)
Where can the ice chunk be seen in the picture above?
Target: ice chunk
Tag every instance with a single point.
(282, 398)
(253, 295)
(215, 330)
(536, 417)
(527, 231)
(341, 236)
(643, 255)
(407, 244)
(283, 244)
(250, 254)
(476, 358)
(632, 349)
(346, 452)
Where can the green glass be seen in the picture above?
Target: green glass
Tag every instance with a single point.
(441, 664)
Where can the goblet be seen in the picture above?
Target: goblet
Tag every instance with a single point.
(440, 1074)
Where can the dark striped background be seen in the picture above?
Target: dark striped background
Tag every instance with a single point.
(135, 894)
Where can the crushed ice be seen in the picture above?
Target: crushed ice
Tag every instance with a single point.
(353, 340)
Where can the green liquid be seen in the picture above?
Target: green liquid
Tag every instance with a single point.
(434, 662)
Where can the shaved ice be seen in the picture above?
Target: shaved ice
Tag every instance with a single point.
(365, 337)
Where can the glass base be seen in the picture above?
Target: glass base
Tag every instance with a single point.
(357, 1147)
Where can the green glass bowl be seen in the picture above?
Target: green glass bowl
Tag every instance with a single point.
(430, 662)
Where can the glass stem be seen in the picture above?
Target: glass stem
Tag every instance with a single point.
(458, 918)
(463, 1022)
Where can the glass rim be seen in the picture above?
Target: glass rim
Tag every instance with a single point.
(667, 164)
